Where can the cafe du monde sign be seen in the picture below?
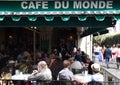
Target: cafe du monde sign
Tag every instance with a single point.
(59, 5)
(68, 4)
(73, 5)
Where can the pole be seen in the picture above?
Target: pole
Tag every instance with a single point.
(34, 46)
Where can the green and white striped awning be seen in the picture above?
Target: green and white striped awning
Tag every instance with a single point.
(75, 13)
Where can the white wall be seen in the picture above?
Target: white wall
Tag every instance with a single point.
(86, 45)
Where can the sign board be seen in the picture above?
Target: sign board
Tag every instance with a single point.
(58, 6)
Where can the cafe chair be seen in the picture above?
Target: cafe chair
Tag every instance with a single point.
(95, 83)
(76, 71)
(63, 82)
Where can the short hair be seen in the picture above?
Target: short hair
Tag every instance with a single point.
(66, 63)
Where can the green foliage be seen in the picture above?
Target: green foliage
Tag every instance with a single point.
(110, 78)
(110, 40)
(97, 39)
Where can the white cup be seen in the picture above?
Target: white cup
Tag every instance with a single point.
(86, 73)
(17, 72)
(21, 73)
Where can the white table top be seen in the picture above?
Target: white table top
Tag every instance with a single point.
(81, 76)
(20, 77)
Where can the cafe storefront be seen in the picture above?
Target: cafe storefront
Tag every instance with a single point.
(88, 13)
(87, 16)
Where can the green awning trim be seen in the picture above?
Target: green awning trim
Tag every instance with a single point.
(16, 18)
(117, 17)
(1, 18)
(65, 18)
(56, 22)
(32, 18)
(100, 17)
(82, 17)
(49, 18)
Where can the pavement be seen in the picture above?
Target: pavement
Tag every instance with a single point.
(112, 68)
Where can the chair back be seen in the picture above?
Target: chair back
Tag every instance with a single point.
(95, 83)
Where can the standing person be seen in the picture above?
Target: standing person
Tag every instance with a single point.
(78, 55)
(108, 55)
(42, 73)
(114, 49)
(118, 56)
(96, 52)
(100, 54)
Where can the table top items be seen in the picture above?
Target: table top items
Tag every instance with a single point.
(84, 76)
(21, 76)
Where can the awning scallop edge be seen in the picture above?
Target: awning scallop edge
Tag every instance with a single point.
(63, 18)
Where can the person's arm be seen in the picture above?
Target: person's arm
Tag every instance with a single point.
(82, 81)
(38, 76)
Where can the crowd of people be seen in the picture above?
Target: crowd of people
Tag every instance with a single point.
(58, 65)
(43, 72)
(60, 68)
(107, 53)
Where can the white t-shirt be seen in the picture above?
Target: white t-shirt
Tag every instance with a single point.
(76, 65)
(97, 77)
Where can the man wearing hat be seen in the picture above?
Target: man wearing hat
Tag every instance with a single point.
(95, 77)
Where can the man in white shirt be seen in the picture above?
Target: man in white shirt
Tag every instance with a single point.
(43, 72)
(96, 77)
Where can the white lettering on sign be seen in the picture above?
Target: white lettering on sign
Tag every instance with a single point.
(31, 5)
(92, 4)
(109, 4)
(101, 4)
(34, 5)
(45, 5)
(87, 4)
(24, 5)
(63, 4)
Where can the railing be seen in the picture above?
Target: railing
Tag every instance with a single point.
(39, 82)
(109, 76)
(53, 82)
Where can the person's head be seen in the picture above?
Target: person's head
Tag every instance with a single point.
(71, 59)
(118, 45)
(95, 67)
(113, 46)
(66, 63)
(96, 44)
(108, 46)
(42, 65)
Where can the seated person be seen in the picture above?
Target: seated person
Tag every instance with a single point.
(42, 73)
(65, 73)
(76, 66)
(95, 77)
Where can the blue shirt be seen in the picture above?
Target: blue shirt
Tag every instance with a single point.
(65, 74)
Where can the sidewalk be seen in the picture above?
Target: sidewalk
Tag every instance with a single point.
(112, 68)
